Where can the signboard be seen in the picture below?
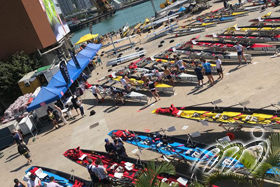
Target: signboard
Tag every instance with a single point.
(58, 25)
(74, 59)
(64, 71)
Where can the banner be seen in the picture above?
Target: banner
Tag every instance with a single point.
(64, 71)
(75, 60)
(58, 25)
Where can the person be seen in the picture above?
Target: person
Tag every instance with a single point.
(109, 147)
(167, 74)
(23, 150)
(198, 72)
(33, 181)
(116, 138)
(219, 68)
(120, 150)
(90, 168)
(239, 50)
(78, 104)
(99, 60)
(125, 84)
(117, 95)
(75, 105)
(152, 88)
(96, 91)
(101, 172)
(159, 75)
(61, 114)
(52, 118)
(17, 137)
(208, 72)
(179, 64)
(225, 4)
(18, 183)
(52, 183)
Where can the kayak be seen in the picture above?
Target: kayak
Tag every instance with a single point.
(126, 58)
(162, 144)
(139, 84)
(248, 48)
(176, 147)
(61, 178)
(207, 54)
(195, 25)
(105, 91)
(187, 31)
(269, 28)
(139, 63)
(247, 37)
(188, 65)
(218, 19)
(231, 116)
(122, 171)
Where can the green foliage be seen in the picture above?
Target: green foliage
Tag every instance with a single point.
(148, 178)
(12, 71)
(268, 159)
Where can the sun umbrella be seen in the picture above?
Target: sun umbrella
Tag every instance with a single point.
(86, 38)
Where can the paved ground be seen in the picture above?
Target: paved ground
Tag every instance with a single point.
(257, 82)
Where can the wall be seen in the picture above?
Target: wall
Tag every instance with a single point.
(24, 27)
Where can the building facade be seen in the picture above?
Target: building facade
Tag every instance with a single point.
(66, 6)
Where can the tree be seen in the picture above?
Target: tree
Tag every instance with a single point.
(149, 177)
(254, 170)
(12, 71)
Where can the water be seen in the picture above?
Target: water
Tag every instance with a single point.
(130, 16)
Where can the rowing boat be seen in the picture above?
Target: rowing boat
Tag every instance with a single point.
(233, 116)
(196, 25)
(123, 171)
(218, 19)
(61, 178)
(126, 58)
(247, 37)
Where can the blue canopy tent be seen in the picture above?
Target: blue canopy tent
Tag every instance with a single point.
(57, 86)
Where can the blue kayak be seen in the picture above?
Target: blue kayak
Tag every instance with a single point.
(176, 147)
(61, 178)
(221, 19)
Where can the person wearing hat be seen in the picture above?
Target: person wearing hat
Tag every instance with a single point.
(33, 181)
(109, 147)
(116, 138)
(18, 183)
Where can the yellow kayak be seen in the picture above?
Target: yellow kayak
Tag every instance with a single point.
(262, 117)
(252, 28)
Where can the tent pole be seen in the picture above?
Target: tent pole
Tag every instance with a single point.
(113, 43)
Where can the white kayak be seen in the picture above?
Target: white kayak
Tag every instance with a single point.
(135, 96)
(184, 77)
(187, 31)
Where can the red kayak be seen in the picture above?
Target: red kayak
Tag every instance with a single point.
(127, 165)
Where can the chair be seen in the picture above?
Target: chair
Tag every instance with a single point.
(40, 173)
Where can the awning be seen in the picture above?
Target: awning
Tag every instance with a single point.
(86, 37)
(57, 86)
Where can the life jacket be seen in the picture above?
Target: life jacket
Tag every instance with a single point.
(78, 184)
(124, 134)
(74, 153)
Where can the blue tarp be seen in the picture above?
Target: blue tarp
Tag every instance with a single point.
(57, 86)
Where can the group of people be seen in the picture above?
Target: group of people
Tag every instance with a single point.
(34, 181)
(116, 147)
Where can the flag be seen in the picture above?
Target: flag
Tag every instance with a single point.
(64, 71)
(75, 60)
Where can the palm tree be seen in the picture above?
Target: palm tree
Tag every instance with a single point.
(255, 164)
(149, 176)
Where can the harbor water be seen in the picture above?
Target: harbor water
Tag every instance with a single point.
(130, 16)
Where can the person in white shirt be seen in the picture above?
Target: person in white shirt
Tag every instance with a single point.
(179, 64)
(52, 183)
(34, 181)
(95, 91)
(61, 114)
(239, 50)
(219, 68)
